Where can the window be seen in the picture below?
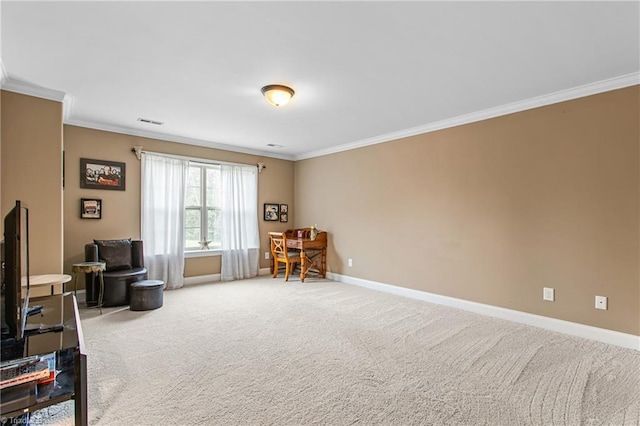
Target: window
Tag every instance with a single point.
(202, 207)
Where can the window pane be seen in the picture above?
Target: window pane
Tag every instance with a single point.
(213, 187)
(213, 221)
(194, 177)
(202, 221)
(192, 228)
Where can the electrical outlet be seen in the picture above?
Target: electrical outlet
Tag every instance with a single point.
(548, 294)
(350, 262)
(266, 255)
(601, 303)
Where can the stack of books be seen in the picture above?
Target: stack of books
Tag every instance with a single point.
(21, 378)
(23, 370)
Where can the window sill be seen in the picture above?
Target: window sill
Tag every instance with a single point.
(202, 253)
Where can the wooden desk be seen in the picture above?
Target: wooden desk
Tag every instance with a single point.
(56, 281)
(313, 253)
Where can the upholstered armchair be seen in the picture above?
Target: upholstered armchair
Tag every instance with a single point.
(124, 265)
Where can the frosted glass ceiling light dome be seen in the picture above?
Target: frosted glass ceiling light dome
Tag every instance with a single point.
(277, 95)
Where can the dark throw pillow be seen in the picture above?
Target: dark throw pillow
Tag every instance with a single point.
(116, 253)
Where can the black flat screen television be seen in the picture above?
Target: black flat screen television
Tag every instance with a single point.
(16, 272)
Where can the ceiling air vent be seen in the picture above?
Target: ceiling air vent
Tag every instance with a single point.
(275, 145)
(148, 121)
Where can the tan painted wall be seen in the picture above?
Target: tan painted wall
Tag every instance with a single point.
(32, 172)
(121, 209)
(1, 208)
(489, 212)
(198, 266)
(494, 211)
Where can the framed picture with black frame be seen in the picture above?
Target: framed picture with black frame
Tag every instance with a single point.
(284, 212)
(102, 174)
(90, 208)
(271, 212)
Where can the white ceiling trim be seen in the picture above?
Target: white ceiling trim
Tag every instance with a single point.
(55, 95)
(3, 74)
(173, 138)
(67, 107)
(38, 91)
(32, 90)
(539, 101)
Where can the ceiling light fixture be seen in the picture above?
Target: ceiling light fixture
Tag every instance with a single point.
(277, 95)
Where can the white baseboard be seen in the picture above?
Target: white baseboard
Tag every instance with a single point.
(616, 338)
(203, 279)
(264, 271)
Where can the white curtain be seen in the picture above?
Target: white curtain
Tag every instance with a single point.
(240, 238)
(163, 188)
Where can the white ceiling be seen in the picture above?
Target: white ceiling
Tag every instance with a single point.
(363, 72)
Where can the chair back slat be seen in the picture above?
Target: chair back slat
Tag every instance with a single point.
(278, 243)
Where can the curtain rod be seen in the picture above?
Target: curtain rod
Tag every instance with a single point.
(138, 151)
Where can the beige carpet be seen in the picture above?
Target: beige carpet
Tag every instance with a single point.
(266, 352)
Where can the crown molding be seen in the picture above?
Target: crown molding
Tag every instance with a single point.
(172, 138)
(539, 101)
(29, 89)
(620, 82)
(3, 74)
(67, 107)
(68, 101)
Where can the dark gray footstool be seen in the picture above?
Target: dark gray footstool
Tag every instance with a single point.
(146, 295)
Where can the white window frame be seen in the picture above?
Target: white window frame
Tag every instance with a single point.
(189, 253)
(204, 210)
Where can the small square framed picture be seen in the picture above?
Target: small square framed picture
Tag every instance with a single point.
(284, 213)
(90, 208)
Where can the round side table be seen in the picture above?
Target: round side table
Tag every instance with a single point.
(52, 280)
(88, 267)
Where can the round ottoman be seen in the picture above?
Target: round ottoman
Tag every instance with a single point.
(146, 295)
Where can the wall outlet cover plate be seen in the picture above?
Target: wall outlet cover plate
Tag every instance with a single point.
(601, 303)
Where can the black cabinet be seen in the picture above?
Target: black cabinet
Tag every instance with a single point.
(71, 360)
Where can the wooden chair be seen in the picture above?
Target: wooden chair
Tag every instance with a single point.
(281, 254)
